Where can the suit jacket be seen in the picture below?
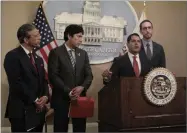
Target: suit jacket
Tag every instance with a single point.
(63, 77)
(158, 58)
(122, 66)
(25, 83)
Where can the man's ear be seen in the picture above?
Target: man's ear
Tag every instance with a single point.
(26, 40)
(128, 44)
(69, 37)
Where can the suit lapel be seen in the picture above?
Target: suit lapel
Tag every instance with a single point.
(26, 60)
(129, 65)
(38, 65)
(78, 57)
(154, 50)
(142, 63)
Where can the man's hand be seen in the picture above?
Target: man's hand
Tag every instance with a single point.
(107, 74)
(78, 90)
(75, 93)
(40, 103)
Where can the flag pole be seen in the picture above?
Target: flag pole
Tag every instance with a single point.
(144, 9)
(144, 4)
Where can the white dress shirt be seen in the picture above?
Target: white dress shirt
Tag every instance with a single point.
(137, 59)
(26, 50)
(68, 49)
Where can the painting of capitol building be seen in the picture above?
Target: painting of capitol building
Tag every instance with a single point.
(97, 28)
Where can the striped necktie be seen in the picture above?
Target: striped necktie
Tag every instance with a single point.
(72, 58)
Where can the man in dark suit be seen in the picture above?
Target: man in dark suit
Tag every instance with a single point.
(28, 89)
(152, 51)
(70, 75)
(132, 64)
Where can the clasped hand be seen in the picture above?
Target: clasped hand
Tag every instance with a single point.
(40, 103)
(75, 93)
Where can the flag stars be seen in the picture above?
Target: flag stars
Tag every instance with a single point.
(42, 25)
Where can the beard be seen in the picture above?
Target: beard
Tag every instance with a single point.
(148, 36)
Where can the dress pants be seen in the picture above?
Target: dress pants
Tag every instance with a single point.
(61, 120)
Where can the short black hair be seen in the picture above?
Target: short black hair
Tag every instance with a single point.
(23, 32)
(71, 30)
(130, 37)
(144, 22)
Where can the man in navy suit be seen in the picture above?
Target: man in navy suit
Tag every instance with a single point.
(28, 89)
(132, 64)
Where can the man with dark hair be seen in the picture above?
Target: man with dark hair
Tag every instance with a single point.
(153, 52)
(28, 89)
(70, 75)
(132, 64)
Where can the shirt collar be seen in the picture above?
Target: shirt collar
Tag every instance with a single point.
(68, 48)
(145, 42)
(131, 55)
(26, 50)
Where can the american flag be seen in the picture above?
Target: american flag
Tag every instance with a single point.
(48, 41)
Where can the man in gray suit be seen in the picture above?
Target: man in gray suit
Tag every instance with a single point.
(152, 51)
(70, 75)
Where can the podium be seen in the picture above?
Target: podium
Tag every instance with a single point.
(123, 107)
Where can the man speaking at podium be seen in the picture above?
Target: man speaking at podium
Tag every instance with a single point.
(132, 64)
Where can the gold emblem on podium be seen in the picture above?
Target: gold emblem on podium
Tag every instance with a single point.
(160, 86)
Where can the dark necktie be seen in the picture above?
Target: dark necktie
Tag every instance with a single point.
(72, 58)
(32, 60)
(149, 55)
(135, 66)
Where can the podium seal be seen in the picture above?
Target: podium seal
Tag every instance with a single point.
(160, 86)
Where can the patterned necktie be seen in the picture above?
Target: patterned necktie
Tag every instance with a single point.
(135, 66)
(32, 60)
(72, 58)
(149, 55)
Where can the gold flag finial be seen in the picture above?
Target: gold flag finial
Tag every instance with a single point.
(144, 3)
